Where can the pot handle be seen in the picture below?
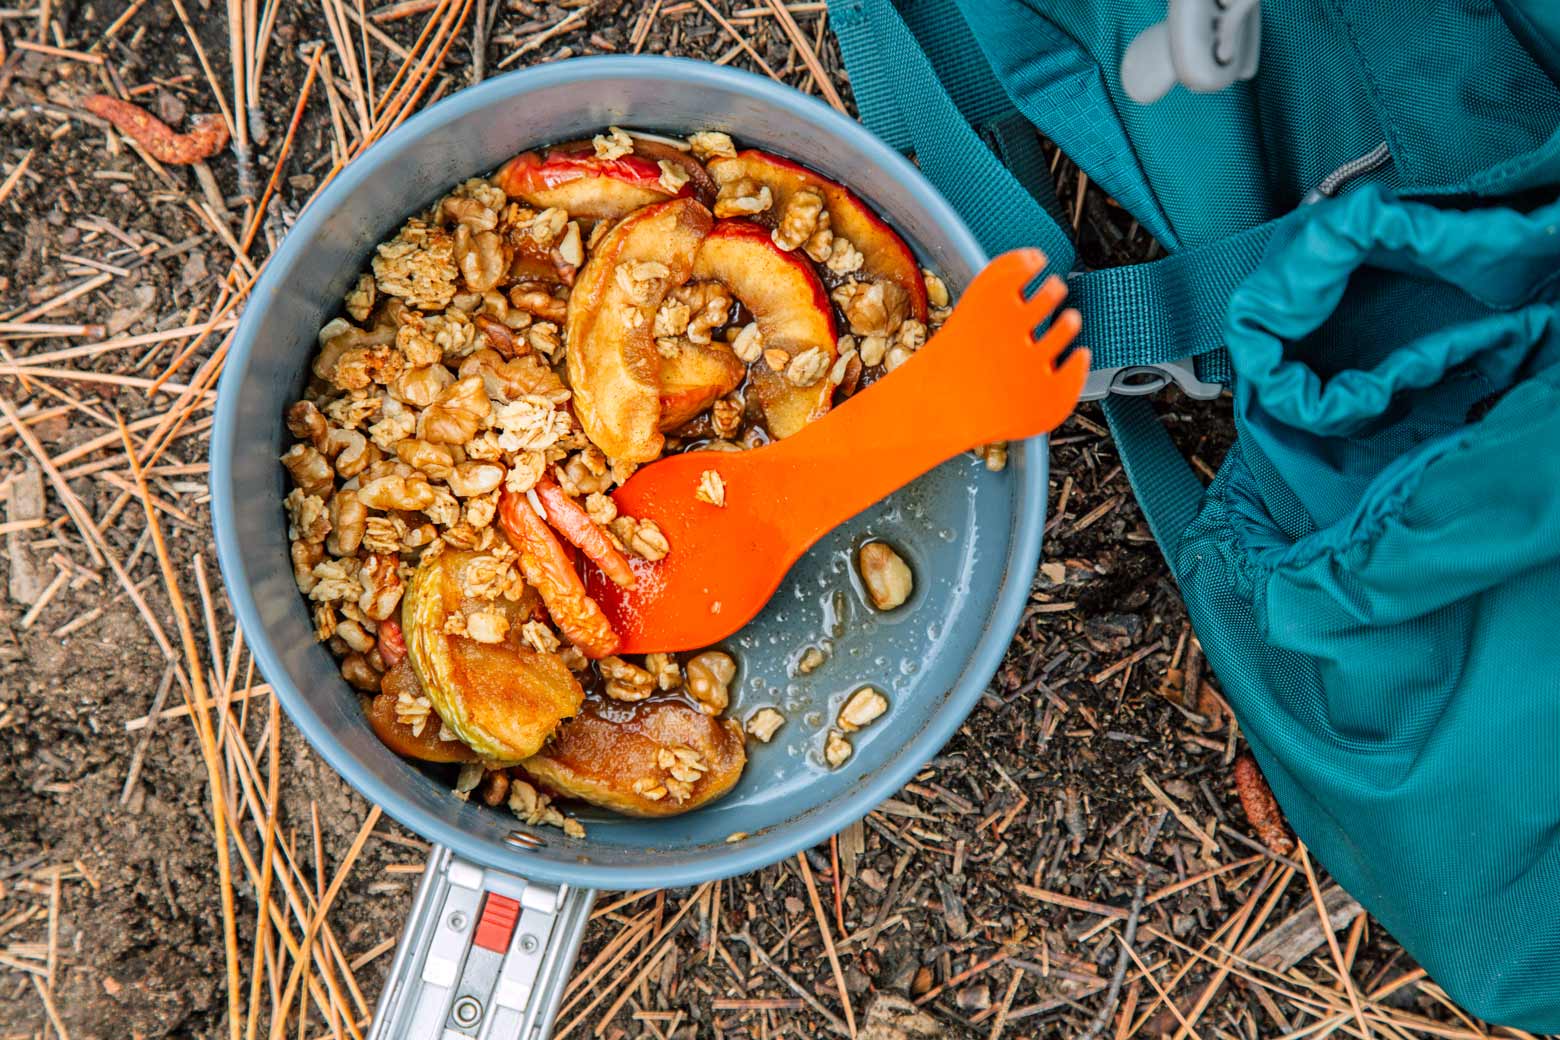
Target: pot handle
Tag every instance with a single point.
(486, 954)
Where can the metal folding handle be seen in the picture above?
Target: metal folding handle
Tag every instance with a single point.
(485, 955)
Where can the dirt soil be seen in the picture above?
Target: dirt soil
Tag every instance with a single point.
(1040, 808)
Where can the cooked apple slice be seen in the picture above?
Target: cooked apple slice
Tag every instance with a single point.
(612, 755)
(614, 368)
(791, 308)
(502, 699)
(700, 184)
(884, 253)
(694, 378)
(423, 745)
(573, 178)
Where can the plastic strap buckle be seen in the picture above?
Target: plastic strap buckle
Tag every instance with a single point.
(1142, 380)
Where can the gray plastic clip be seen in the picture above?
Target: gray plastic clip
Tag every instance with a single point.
(1205, 45)
(1141, 380)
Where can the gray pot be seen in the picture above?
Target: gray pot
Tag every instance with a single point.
(972, 537)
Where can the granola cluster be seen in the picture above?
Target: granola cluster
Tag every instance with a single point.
(442, 393)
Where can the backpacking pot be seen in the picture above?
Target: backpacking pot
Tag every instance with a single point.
(502, 907)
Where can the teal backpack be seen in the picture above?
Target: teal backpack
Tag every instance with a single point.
(1364, 245)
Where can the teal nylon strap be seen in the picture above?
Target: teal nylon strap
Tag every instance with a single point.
(1167, 488)
(893, 71)
(1139, 315)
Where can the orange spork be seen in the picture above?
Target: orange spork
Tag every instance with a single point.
(983, 377)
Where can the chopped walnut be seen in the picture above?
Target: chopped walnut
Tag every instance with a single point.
(712, 144)
(844, 258)
(709, 307)
(712, 488)
(668, 676)
(544, 337)
(764, 723)
(420, 387)
(352, 633)
(483, 258)
(807, 368)
(397, 492)
(872, 308)
(305, 556)
(534, 299)
(324, 621)
(418, 266)
(836, 749)
(309, 469)
(456, 414)
(469, 212)
(897, 355)
(382, 585)
(348, 522)
(820, 244)
(709, 680)
(798, 219)
(614, 144)
(625, 681)
(306, 422)
(743, 197)
(749, 344)
(434, 461)
(863, 707)
(911, 334)
(873, 349)
(726, 416)
(470, 479)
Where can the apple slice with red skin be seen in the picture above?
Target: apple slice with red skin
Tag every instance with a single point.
(696, 377)
(584, 186)
(791, 308)
(700, 184)
(573, 178)
(884, 253)
(614, 368)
